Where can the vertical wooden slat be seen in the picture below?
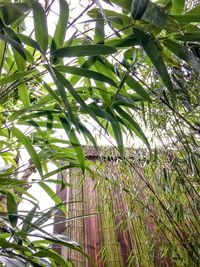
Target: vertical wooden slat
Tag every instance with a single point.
(59, 219)
(91, 224)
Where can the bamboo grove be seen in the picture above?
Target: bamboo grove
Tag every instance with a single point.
(124, 70)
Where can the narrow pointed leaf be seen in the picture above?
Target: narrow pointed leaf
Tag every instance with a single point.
(29, 41)
(61, 27)
(84, 50)
(40, 25)
(149, 46)
(53, 196)
(11, 12)
(76, 96)
(183, 53)
(24, 94)
(133, 125)
(87, 74)
(31, 150)
(99, 29)
(15, 76)
(117, 131)
(178, 6)
(20, 49)
(74, 142)
(12, 209)
(135, 85)
(53, 255)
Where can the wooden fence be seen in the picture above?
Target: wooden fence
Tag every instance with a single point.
(119, 227)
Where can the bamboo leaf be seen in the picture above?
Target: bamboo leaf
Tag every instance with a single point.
(12, 209)
(127, 41)
(83, 72)
(117, 131)
(31, 150)
(74, 142)
(138, 8)
(155, 15)
(61, 89)
(76, 96)
(29, 41)
(186, 18)
(54, 197)
(133, 84)
(24, 94)
(40, 25)
(131, 123)
(183, 53)
(86, 133)
(149, 45)
(16, 45)
(99, 29)
(11, 12)
(28, 219)
(53, 255)
(178, 6)
(84, 50)
(15, 76)
(61, 27)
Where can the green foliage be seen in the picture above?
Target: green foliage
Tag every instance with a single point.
(125, 70)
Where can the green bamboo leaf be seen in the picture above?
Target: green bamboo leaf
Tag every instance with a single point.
(125, 4)
(84, 50)
(40, 25)
(11, 12)
(2, 53)
(86, 133)
(186, 18)
(16, 45)
(28, 219)
(60, 239)
(155, 15)
(15, 76)
(188, 36)
(74, 142)
(61, 27)
(69, 166)
(178, 6)
(133, 125)
(54, 197)
(53, 93)
(127, 41)
(61, 90)
(194, 10)
(28, 41)
(148, 43)
(20, 61)
(99, 29)
(24, 94)
(7, 183)
(31, 150)
(117, 131)
(49, 124)
(138, 8)
(133, 84)
(6, 244)
(76, 96)
(87, 74)
(53, 255)
(109, 115)
(183, 53)
(12, 209)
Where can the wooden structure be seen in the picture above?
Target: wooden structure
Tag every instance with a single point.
(111, 230)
